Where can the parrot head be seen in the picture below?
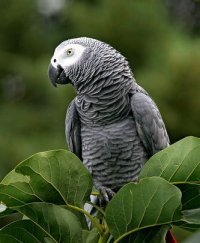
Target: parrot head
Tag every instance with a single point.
(79, 60)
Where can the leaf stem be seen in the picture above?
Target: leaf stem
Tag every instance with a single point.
(93, 220)
(103, 238)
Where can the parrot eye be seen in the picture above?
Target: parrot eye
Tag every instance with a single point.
(69, 52)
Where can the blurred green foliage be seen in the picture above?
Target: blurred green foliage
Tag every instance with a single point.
(164, 56)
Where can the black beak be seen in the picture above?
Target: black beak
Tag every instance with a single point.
(57, 75)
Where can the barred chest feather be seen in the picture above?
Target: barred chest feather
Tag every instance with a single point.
(113, 153)
(106, 98)
(102, 111)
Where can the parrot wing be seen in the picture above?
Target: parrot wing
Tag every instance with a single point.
(150, 126)
(73, 130)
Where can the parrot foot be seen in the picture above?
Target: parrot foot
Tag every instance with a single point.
(106, 195)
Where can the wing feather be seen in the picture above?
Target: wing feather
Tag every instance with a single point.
(73, 130)
(149, 123)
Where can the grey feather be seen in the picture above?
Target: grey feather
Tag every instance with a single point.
(112, 124)
(149, 123)
(73, 130)
(113, 153)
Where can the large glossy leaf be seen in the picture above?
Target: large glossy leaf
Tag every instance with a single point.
(22, 231)
(179, 163)
(190, 196)
(55, 176)
(15, 190)
(58, 223)
(151, 202)
(155, 234)
(190, 201)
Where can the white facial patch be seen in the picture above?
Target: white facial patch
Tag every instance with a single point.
(66, 56)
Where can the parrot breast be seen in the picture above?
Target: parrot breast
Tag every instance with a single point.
(113, 153)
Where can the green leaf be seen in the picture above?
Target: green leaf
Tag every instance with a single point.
(54, 176)
(190, 200)
(13, 177)
(187, 226)
(58, 223)
(190, 196)
(192, 216)
(48, 240)
(15, 190)
(9, 239)
(151, 202)
(7, 212)
(155, 234)
(179, 163)
(22, 231)
(90, 236)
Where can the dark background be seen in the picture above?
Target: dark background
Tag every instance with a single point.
(161, 40)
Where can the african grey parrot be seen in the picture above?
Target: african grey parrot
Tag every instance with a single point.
(112, 124)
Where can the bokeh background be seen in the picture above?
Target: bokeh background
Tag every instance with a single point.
(160, 38)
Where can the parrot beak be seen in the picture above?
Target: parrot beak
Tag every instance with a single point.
(57, 75)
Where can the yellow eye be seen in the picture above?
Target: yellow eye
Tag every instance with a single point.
(69, 52)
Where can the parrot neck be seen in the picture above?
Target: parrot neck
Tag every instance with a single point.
(105, 98)
(103, 92)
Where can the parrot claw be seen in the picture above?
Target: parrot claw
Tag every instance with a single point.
(106, 194)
